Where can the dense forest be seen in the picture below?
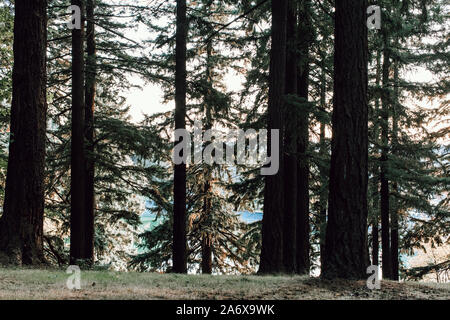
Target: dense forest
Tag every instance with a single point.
(353, 96)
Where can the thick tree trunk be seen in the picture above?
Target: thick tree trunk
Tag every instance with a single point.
(179, 207)
(21, 226)
(78, 174)
(384, 182)
(272, 225)
(303, 246)
(346, 250)
(290, 141)
(90, 91)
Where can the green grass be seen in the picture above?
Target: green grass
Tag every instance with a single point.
(51, 284)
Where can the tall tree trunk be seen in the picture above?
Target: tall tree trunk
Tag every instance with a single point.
(179, 191)
(78, 174)
(346, 250)
(207, 187)
(323, 197)
(290, 141)
(90, 92)
(303, 246)
(21, 226)
(376, 219)
(394, 211)
(272, 224)
(384, 182)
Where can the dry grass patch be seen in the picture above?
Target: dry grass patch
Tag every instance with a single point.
(100, 285)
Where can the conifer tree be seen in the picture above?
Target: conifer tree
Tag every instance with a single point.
(271, 260)
(78, 248)
(179, 211)
(303, 200)
(346, 236)
(290, 141)
(117, 146)
(21, 225)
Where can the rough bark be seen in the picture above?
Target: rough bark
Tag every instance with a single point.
(346, 250)
(272, 224)
(290, 142)
(179, 207)
(21, 225)
(303, 228)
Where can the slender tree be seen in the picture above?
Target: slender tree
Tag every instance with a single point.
(323, 196)
(346, 253)
(207, 187)
(272, 225)
(323, 50)
(179, 206)
(90, 94)
(21, 225)
(78, 249)
(375, 232)
(394, 210)
(290, 141)
(303, 228)
(375, 180)
(384, 182)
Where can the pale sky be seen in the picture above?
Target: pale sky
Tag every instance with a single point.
(149, 100)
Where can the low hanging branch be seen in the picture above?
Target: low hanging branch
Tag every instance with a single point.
(419, 272)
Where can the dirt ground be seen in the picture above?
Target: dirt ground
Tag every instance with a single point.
(99, 285)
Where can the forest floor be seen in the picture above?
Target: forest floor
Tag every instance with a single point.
(98, 285)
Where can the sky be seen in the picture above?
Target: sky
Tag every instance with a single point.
(149, 99)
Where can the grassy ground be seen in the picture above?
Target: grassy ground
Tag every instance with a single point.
(51, 284)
